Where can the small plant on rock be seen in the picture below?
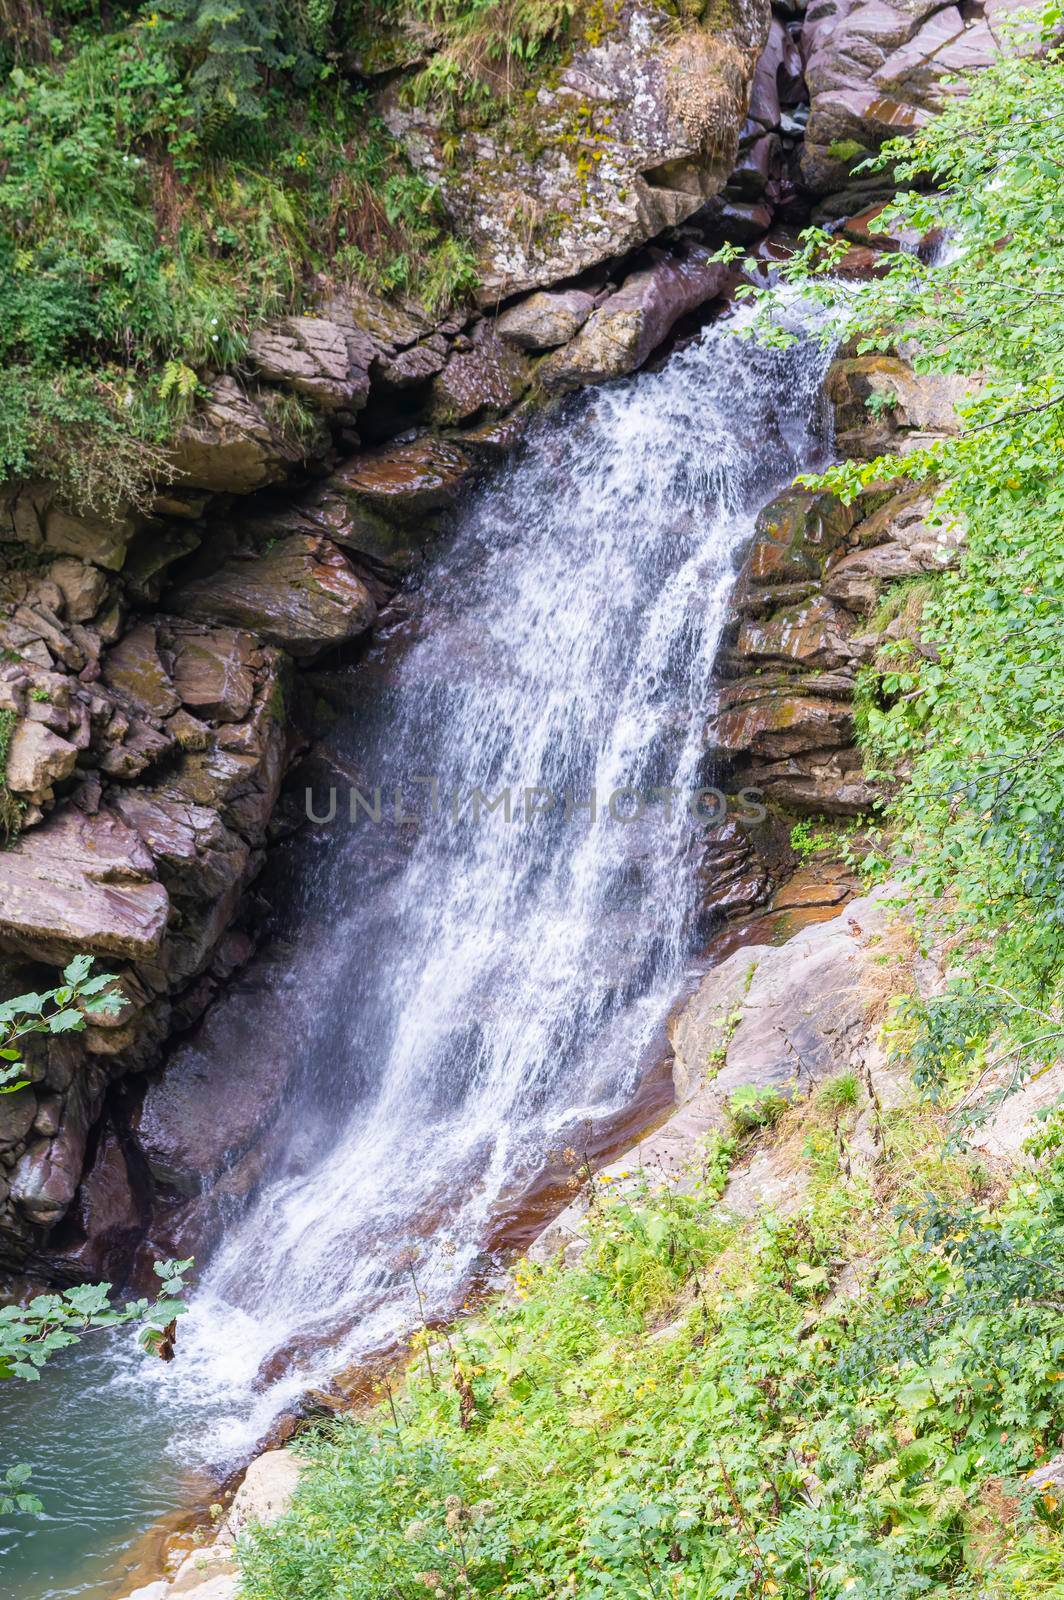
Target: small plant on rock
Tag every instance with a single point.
(754, 1106)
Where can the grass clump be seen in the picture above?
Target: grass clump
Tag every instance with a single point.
(840, 1093)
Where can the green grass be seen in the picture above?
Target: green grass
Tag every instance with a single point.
(694, 1411)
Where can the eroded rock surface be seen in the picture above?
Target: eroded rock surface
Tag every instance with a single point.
(807, 595)
(631, 136)
(211, 1573)
(876, 70)
(300, 594)
(782, 1016)
(629, 325)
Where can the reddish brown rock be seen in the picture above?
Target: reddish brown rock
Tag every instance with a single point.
(630, 325)
(779, 720)
(490, 376)
(405, 481)
(37, 759)
(214, 671)
(875, 70)
(795, 533)
(135, 669)
(815, 634)
(80, 883)
(301, 595)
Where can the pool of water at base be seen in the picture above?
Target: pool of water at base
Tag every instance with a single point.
(98, 1501)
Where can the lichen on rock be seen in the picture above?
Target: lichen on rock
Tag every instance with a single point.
(630, 136)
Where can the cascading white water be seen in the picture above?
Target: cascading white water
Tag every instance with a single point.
(458, 1005)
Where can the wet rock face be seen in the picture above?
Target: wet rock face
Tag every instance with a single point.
(81, 881)
(783, 711)
(217, 1097)
(491, 374)
(636, 130)
(178, 743)
(301, 595)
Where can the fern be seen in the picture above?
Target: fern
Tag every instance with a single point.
(178, 382)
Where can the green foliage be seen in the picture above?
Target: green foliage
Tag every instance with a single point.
(968, 736)
(31, 1334)
(62, 1010)
(10, 808)
(839, 1093)
(167, 181)
(484, 48)
(854, 844)
(755, 1106)
(694, 1411)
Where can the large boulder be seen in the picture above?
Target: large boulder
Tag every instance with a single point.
(301, 594)
(635, 130)
(547, 319)
(403, 482)
(37, 759)
(629, 326)
(317, 358)
(222, 1090)
(232, 445)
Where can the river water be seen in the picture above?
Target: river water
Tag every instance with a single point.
(466, 988)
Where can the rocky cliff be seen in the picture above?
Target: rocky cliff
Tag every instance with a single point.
(147, 659)
(807, 599)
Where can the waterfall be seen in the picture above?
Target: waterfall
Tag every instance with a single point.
(466, 987)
